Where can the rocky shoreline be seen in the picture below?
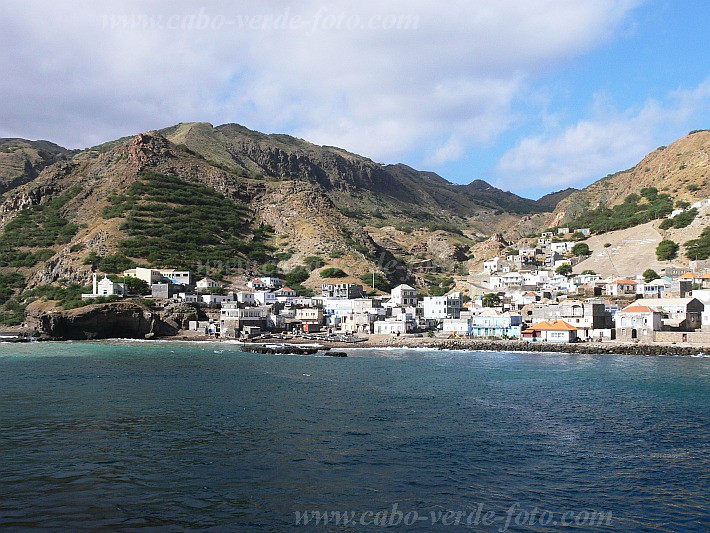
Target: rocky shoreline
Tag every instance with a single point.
(577, 348)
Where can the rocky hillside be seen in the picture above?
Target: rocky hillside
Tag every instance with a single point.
(21, 161)
(366, 190)
(681, 170)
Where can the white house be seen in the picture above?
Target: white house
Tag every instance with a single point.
(621, 287)
(561, 247)
(403, 296)
(217, 299)
(550, 331)
(440, 307)
(496, 264)
(457, 326)
(336, 309)
(271, 282)
(312, 315)
(179, 277)
(703, 295)
(206, 284)
(653, 289)
(265, 297)
(684, 314)
(256, 284)
(390, 327)
(509, 279)
(245, 297)
(285, 294)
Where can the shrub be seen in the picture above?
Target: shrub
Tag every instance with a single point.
(381, 283)
(699, 248)
(490, 300)
(296, 276)
(114, 264)
(270, 269)
(682, 220)
(9, 284)
(314, 261)
(666, 224)
(301, 290)
(581, 248)
(666, 250)
(632, 212)
(170, 221)
(564, 269)
(649, 275)
(332, 273)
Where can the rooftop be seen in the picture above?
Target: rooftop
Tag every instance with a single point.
(553, 325)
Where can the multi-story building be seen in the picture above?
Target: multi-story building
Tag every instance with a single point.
(637, 321)
(441, 307)
(403, 296)
(233, 319)
(149, 275)
(343, 290)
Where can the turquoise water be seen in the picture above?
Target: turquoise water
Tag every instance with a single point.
(177, 436)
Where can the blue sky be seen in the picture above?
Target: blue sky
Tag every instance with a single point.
(530, 96)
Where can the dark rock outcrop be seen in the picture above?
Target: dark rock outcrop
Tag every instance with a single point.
(97, 321)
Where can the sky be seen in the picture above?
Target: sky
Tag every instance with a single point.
(532, 97)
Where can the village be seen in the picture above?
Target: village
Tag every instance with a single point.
(528, 296)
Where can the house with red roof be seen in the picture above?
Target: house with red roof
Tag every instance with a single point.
(257, 284)
(551, 331)
(285, 294)
(621, 287)
(638, 321)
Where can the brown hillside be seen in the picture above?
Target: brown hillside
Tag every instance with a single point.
(680, 170)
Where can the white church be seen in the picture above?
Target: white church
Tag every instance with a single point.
(106, 287)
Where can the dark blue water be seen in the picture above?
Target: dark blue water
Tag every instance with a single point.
(163, 436)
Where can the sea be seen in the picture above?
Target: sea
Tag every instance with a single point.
(169, 436)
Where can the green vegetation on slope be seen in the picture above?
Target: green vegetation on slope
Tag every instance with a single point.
(26, 239)
(666, 250)
(681, 220)
(635, 210)
(67, 297)
(699, 248)
(12, 311)
(332, 272)
(172, 222)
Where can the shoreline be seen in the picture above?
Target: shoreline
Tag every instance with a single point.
(433, 343)
(496, 345)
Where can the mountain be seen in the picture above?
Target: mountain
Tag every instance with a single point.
(679, 170)
(351, 181)
(22, 161)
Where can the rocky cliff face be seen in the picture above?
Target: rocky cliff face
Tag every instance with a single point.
(98, 321)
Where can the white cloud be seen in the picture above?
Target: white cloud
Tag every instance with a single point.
(84, 72)
(607, 142)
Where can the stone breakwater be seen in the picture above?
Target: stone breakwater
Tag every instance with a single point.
(580, 348)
